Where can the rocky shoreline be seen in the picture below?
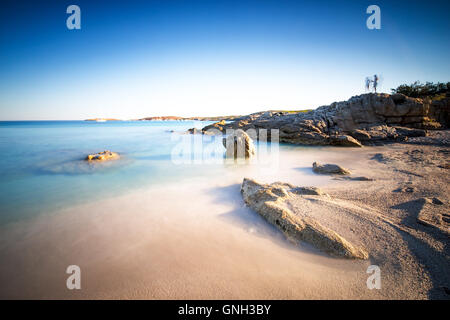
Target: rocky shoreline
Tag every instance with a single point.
(368, 119)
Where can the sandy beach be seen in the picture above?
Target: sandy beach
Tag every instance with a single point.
(197, 239)
(232, 158)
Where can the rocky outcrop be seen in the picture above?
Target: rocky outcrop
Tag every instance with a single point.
(271, 201)
(102, 156)
(329, 169)
(365, 119)
(215, 126)
(239, 145)
(440, 111)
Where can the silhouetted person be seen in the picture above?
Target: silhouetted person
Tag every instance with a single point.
(367, 84)
(375, 83)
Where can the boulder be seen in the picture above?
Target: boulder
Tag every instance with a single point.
(239, 145)
(271, 202)
(102, 156)
(329, 169)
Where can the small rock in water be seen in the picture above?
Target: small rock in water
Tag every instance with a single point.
(329, 169)
(194, 131)
(102, 156)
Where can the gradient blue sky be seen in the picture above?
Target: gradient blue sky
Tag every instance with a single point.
(142, 58)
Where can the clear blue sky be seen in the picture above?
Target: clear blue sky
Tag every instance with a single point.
(141, 58)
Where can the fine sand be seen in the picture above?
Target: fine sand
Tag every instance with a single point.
(197, 240)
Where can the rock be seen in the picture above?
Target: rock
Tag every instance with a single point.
(329, 169)
(360, 135)
(102, 156)
(194, 131)
(345, 141)
(307, 191)
(405, 189)
(210, 131)
(371, 118)
(239, 145)
(410, 133)
(218, 126)
(269, 200)
(362, 179)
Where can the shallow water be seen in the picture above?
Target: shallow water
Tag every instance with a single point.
(147, 226)
(42, 168)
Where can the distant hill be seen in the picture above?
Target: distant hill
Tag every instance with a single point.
(171, 118)
(215, 118)
(162, 118)
(176, 118)
(102, 119)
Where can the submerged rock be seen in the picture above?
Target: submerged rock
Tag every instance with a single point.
(102, 156)
(329, 169)
(239, 145)
(270, 201)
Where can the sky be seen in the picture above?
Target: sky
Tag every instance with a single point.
(133, 59)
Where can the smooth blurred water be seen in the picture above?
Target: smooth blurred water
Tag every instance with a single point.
(42, 167)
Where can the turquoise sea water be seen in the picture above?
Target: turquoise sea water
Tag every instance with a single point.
(42, 167)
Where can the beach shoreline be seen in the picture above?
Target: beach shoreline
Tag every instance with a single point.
(156, 243)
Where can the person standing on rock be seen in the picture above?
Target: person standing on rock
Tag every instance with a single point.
(375, 83)
(368, 81)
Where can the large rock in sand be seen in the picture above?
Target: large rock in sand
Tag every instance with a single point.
(271, 201)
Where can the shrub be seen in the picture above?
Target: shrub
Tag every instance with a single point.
(419, 90)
